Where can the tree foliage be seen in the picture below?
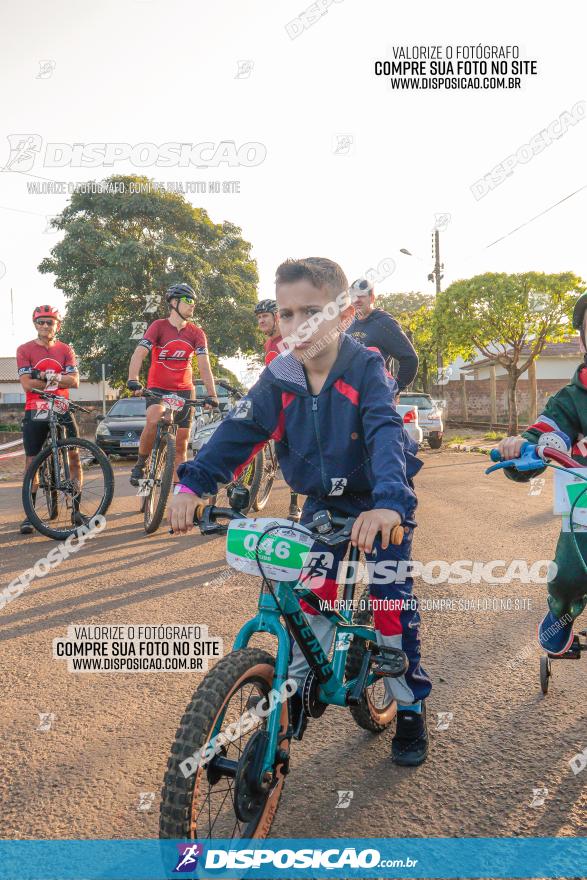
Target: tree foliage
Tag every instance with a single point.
(507, 318)
(121, 250)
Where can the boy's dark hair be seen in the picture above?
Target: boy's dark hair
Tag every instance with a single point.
(319, 271)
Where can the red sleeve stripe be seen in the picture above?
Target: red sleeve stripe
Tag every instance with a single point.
(543, 426)
(347, 391)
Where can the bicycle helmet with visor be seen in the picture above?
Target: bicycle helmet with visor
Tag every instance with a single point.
(48, 312)
(179, 290)
(266, 305)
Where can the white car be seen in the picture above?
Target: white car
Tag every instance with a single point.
(429, 415)
(409, 414)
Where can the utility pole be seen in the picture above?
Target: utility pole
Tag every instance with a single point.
(437, 277)
(103, 389)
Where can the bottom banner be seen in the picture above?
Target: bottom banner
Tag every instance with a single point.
(373, 858)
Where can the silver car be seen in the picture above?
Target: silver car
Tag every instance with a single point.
(409, 414)
(429, 415)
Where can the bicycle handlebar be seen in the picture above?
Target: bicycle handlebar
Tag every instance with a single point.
(328, 529)
(532, 457)
(71, 404)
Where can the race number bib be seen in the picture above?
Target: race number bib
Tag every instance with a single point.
(282, 552)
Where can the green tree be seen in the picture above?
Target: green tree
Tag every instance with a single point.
(508, 319)
(415, 314)
(119, 253)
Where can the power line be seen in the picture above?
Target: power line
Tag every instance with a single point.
(541, 214)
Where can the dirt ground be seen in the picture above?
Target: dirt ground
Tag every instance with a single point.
(97, 770)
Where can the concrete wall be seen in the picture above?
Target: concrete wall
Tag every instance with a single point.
(479, 399)
(11, 413)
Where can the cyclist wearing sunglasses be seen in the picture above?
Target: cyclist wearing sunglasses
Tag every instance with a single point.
(171, 342)
(45, 364)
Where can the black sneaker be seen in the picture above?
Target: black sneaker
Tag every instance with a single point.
(137, 474)
(409, 747)
(26, 527)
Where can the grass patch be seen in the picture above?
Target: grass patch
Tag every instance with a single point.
(11, 427)
(495, 435)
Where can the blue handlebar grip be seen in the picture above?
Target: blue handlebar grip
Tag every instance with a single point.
(495, 455)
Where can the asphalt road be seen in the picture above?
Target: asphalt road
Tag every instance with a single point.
(97, 768)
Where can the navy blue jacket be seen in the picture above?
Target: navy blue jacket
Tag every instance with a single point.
(345, 446)
(382, 331)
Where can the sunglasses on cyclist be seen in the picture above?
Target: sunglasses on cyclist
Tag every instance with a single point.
(44, 322)
(187, 299)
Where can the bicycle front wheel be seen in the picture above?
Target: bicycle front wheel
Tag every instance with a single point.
(162, 475)
(220, 798)
(66, 500)
(265, 470)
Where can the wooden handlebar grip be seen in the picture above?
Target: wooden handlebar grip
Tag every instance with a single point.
(397, 534)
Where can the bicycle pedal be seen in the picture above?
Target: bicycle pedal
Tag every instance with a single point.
(574, 652)
(390, 662)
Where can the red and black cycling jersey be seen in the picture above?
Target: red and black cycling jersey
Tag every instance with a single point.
(34, 356)
(272, 348)
(171, 354)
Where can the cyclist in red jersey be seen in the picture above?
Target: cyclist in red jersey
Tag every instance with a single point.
(171, 342)
(268, 323)
(46, 364)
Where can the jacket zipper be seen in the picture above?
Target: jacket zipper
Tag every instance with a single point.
(317, 432)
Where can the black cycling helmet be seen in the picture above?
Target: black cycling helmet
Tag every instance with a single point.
(178, 290)
(266, 305)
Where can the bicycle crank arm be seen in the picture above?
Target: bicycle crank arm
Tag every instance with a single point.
(353, 697)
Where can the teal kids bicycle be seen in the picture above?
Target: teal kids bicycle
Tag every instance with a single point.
(231, 754)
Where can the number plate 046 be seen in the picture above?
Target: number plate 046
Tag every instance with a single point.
(282, 552)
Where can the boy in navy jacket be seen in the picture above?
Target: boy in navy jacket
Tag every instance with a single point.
(329, 406)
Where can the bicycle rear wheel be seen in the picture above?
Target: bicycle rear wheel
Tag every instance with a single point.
(220, 798)
(163, 456)
(67, 504)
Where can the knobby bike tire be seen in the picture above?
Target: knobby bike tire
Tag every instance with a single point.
(180, 794)
(154, 511)
(367, 715)
(50, 494)
(266, 478)
(37, 462)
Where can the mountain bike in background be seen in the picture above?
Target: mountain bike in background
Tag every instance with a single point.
(258, 476)
(156, 485)
(65, 501)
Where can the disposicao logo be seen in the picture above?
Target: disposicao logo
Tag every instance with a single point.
(188, 855)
